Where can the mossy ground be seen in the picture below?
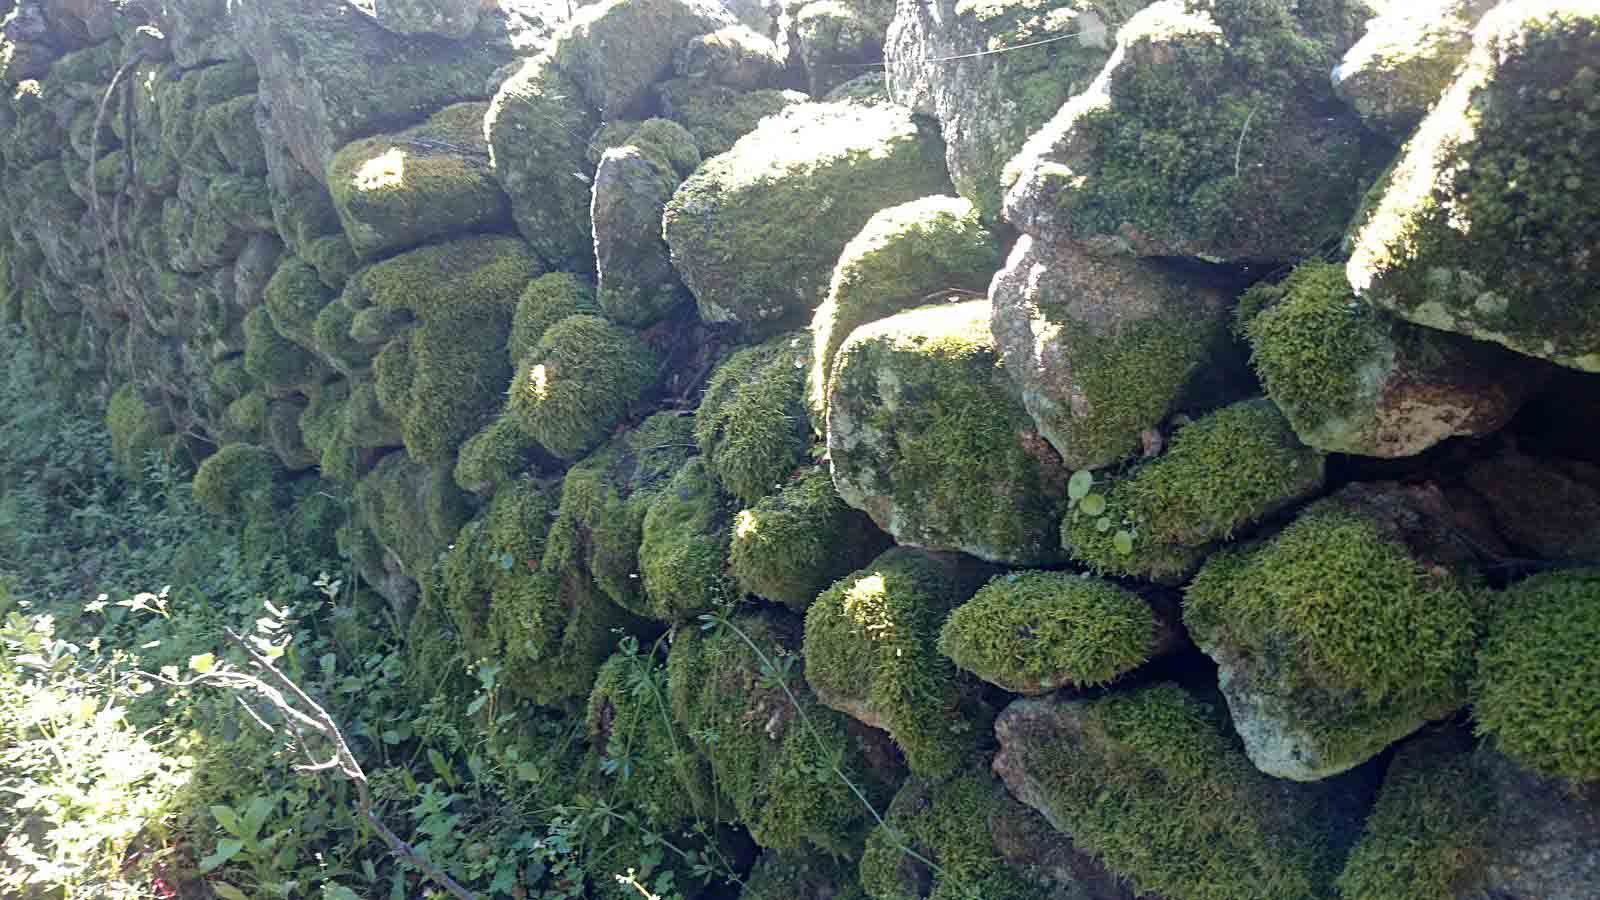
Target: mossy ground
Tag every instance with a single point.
(1031, 631)
(1536, 691)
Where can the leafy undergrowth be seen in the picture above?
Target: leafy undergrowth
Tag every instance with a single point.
(126, 774)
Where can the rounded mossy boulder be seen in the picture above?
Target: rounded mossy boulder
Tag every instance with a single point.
(1537, 688)
(397, 190)
(413, 512)
(633, 181)
(545, 301)
(1354, 379)
(238, 480)
(1406, 59)
(751, 424)
(925, 438)
(755, 232)
(793, 544)
(780, 875)
(1484, 226)
(1220, 474)
(1213, 132)
(1033, 632)
(616, 49)
(684, 546)
(871, 650)
(331, 335)
(902, 257)
(493, 456)
(604, 500)
(718, 115)
(580, 382)
(1152, 783)
(461, 275)
(1102, 346)
(1428, 836)
(294, 297)
(779, 765)
(1345, 632)
(278, 363)
(137, 429)
(651, 764)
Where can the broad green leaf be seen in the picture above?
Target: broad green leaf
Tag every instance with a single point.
(1123, 542)
(227, 849)
(228, 819)
(256, 816)
(1093, 504)
(1079, 484)
(227, 891)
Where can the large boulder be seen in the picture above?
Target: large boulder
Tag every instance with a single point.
(755, 231)
(1101, 345)
(1545, 506)
(1153, 784)
(836, 40)
(615, 50)
(538, 127)
(1459, 824)
(988, 103)
(1484, 226)
(632, 185)
(394, 191)
(751, 425)
(925, 438)
(1211, 132)
(1354, 379)
(1406, 59)
(1347, 631)
(871, 650)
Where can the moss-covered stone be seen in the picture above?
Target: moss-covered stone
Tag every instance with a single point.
(751, 424)
(460, 275)
(871, 650)
(1536, 691)
(493, 456)
(904, 256)
(1221, 473)
(333, 258)
(1347, 631)
(283, 435)
(633, 181)
(294, 297)
(1101, 345)
(837, 38)
(1406, 59)
(755, 231)
(794, 543)
(925, 438)
(397, 190)
(779, 766)
(232, 126)
(278, 363)
(781, 875)
(735, 56)
(1153, 783)
(413, 511)
(684, 546)
(545, 301)
(238, 480)
(581, 381)
(245, 419)
(616, 49)
(718, 115)
(652, 764)
(331, 336)
(604, 500)
(1484, 221)
(1032, 632)
(137, 430)
(1209, 134)
(1428, 836)
(1353, 379)
(393, 372)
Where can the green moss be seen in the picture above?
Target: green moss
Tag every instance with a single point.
(412, 510)
(1484, 218)
(284, 437)
(1030, 632)
(684, 546)
(493, 456)
(781, 875)
(333, 258)
(751, 424)
(604, 500)
(294, 297)
(651, 762)
(470, 273)
(394, 372)
(232, 126)
(755, 231)
(580, 383)
(793, 544)
(547, 300)
(904, 256)
(1222, 473)
(325, 427)
(274, 360)
(246, 417)
(375, 325)
(1537, 688)
(238, 480)
(554, 631)
(1355, 638)
(370, 426)
(1153, 783)
(1429, 834)
(774, 768)
(871, 649)
(458, 361)
(924, 434)
(398, 190)
(948, 823)
(330, 335)
(242, 201)
(1312, 342)
(136, 430)
(717, 115)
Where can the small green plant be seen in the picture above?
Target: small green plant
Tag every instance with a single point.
(1083, 500)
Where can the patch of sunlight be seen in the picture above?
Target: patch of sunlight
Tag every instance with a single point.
(387, 170)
